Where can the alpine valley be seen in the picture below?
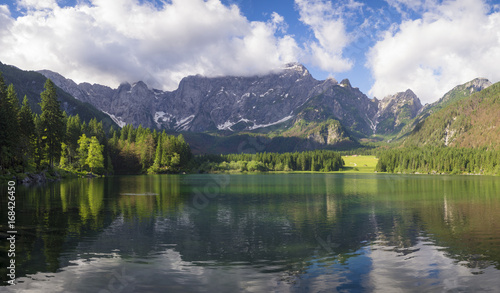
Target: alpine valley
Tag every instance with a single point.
(286, 110)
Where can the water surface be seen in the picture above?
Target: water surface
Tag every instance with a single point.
(258, 233)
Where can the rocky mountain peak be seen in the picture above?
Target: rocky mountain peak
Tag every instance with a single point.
(406, 97)
(140, 84)
(396, 110)
(124, 87)
(296, 67)
(478, 84)
(463, 90)
(345, 83)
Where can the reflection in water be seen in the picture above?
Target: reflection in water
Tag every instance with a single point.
(255, 233)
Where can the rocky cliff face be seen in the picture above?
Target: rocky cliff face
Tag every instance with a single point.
(395, 111)
(235, 104)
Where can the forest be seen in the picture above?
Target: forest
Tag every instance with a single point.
(432, 159)
(319, 160)
(31, 143)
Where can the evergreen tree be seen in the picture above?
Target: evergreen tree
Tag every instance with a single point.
(9, 140)
(52, 122)
(158, 153)
(63, 163)
(4, 140)
(73, 133)
(38, 151)
(27, 132)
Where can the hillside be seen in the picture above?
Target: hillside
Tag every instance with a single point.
(472, 121)
(459, 92)
(31, 84)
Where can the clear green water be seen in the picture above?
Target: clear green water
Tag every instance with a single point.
(257, 233)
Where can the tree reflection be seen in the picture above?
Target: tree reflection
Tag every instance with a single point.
(301, 221)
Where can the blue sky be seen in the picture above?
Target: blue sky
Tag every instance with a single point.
(382, 46)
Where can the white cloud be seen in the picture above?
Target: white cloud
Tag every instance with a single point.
(330, 32)
(37, 4)
(452, 43)
(108, 42)
(5, 20)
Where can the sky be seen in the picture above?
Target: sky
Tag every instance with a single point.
(381, 46)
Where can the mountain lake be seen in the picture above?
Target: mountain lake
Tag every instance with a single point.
(296, 232)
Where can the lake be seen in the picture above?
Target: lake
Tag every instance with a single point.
(257, 233)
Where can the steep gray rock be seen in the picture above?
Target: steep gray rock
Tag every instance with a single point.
(235, 103)
(96, 94)
(395, 111)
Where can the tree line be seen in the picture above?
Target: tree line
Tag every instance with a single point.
(318, 160)
(431, 159)
(30, 142)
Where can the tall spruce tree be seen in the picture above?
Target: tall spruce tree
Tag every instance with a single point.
(4, 142)
(52, 120)
(27, 132)
(9, 140)
(38, 152)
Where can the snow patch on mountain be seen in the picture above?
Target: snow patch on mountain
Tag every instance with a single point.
(117, 120)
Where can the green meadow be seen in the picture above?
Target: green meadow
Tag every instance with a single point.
(363, 164)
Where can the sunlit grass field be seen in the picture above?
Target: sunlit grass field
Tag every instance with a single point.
(359, 163)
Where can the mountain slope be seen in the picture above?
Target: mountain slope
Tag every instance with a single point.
(396, 111)
(31, 84)
(473, 121)
(233, 104)
(457, 93)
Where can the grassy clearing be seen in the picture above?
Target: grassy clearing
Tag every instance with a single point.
(360, 163)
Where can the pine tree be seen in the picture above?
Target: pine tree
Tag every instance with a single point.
(38, 151)
(158, 153)
(52, 122)
(63, 163)
(9, 141)
(73, 133)
(27, 132)
(4, 141)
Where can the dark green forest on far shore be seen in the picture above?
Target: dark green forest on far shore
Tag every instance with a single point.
(431, 159)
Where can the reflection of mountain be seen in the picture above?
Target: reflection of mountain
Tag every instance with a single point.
(298, 224)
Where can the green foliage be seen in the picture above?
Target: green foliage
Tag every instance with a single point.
(27, 133)
(95, 159)
(461, 121)
(138, 150)
(319, 160)
(39, 142)
(52, 122)
(9, 137)
(439, 160)
(83, 151)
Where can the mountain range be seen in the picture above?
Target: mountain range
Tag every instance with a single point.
(31, 84)
(286, 110)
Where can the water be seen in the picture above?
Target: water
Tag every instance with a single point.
(257, 233)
